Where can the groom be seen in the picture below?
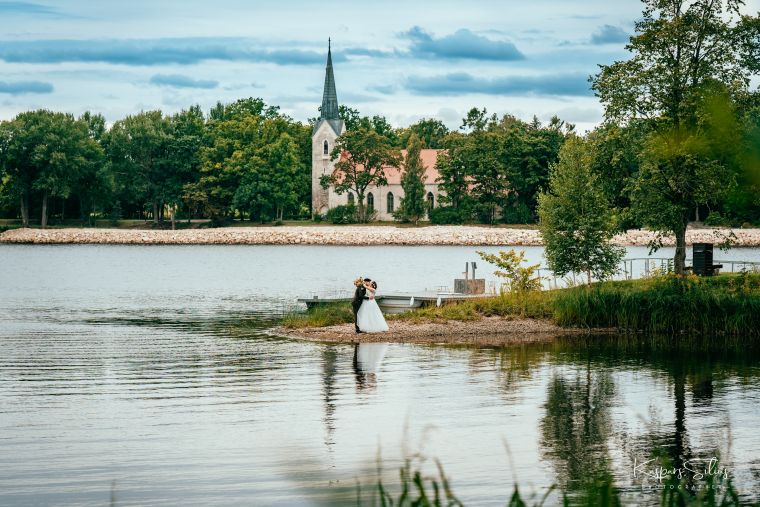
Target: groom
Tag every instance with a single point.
(356, 303)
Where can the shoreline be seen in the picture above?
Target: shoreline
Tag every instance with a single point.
(438, 235)
(488, 331)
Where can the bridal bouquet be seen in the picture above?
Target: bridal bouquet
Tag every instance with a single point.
(359, 282)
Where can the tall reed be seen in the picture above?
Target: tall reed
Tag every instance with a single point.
(668, 304)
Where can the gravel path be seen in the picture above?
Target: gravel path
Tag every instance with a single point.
(345, 235)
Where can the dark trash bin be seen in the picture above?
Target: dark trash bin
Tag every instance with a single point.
(703, 260)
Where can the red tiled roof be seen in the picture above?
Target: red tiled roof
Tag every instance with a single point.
(393, 174)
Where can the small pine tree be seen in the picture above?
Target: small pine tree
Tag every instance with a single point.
(576, 219)
(413, 205)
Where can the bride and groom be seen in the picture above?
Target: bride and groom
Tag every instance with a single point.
(367, 315)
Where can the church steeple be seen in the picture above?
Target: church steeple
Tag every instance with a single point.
(329, 109)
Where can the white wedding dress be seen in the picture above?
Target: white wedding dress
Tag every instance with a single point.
(369, 318)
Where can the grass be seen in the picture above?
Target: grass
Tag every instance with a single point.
(536, 305)
(728, 304)
(415, 489)
(320, 316)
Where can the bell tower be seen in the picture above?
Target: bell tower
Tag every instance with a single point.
(326, 131)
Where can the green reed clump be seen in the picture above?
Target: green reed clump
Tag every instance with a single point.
(727, 304)
(415, 489)
(320, 316)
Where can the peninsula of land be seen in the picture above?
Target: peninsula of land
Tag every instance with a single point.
(487, 331)
(350, 236)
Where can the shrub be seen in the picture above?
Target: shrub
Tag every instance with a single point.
(715, 219)
(520, 213)
(517, 278)
(444, 215)
(345, 214)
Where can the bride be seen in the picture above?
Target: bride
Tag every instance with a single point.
(369, 317)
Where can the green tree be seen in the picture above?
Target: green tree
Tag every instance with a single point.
(254, 192)
(17, 169)
(680, 52)
(187, 136)
(616, 159)
(45, 153)
(350, 116)
(282, 164)
(95, 184)
(430, 131)
(138, 148)
(269, 186)
(453, 178)
(516, 277)
(367, 154)
(236, 159)
(413, 206)
(497, 166)
(576, 219)
(683, 168)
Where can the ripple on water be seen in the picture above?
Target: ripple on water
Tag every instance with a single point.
(162, 388)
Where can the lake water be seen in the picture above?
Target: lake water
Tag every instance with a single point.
(146, 375)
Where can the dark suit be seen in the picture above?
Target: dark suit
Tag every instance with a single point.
(359, 295)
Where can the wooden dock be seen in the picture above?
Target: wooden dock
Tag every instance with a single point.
(397, 302)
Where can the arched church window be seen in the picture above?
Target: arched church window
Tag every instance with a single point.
(326, 148)
(431, 200)
(350, 198)
(370, 202)
(390, 202)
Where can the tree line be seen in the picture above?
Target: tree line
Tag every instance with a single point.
(247, 160)
(150, 164)
(680, 141)
(243, 160)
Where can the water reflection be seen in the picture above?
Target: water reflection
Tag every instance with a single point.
(577, 428)
(171, 385)
(329, 389)
(367, 359)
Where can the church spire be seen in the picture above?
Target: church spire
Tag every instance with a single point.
(329, 96)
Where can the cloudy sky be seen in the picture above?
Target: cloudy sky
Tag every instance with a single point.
(403, 59)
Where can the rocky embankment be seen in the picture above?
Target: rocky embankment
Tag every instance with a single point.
(344, 235)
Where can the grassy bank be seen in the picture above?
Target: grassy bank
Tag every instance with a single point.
(532, 305)
(725, 304)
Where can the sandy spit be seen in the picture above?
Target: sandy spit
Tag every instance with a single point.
(489, 331)
(344, 235)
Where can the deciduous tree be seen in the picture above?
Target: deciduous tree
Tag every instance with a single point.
(363, 155)
(413, 205)
(681, 50)
(576, 219)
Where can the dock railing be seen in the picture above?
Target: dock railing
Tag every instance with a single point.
(641, 267)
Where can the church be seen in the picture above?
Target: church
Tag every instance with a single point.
(381, 200)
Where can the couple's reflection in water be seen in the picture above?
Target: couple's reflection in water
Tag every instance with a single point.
(367, 359)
